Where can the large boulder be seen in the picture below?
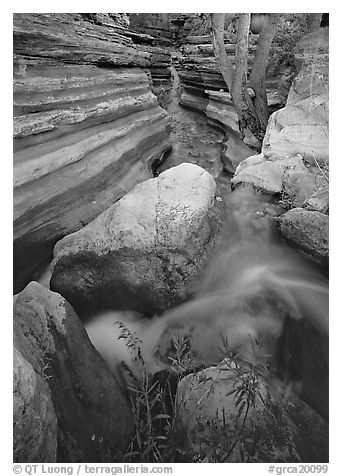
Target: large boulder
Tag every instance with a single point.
(262, 175)
(34, 417)
(145, 251)
(308, 231)
(289, 177)
(279, 428)
(93, 416)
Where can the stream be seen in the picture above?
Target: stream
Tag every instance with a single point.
(254, 285)
(192, 139)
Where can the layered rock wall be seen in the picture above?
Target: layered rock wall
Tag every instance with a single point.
(87, 127)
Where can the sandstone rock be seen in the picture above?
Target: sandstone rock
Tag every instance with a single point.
(307, 231)
(319, 201)
(287, 176)
(297, 135)
(84, 134)
(154, 24)
(234, 153)
(312, 56)
(221, 108)
(80, 42)
(203, 87)
(275, 176)
(278, 429)
(301, 182)
(264, 175)
(302, 127)
(93, 416)
(144, 251)
(34, 418)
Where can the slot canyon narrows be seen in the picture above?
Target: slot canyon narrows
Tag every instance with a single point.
(171, 217)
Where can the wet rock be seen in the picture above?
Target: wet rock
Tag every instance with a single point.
(190, 136)
(93, 416)
(235, 151)
(302, 357)
(87, 126)
(308, 231)
(144, 252)
(34, 418)
(204, 90)
(279, 429)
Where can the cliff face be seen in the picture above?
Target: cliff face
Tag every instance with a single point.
(87, 127)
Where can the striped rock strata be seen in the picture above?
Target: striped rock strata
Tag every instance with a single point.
(87, 127)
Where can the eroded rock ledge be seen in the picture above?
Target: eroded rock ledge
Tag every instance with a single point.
(87, 127)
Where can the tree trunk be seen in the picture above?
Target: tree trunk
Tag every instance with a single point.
(217, 36)
(258, 74)
(248, 120)
(314, 21)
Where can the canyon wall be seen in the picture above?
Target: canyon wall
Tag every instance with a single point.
(294, 159)
(87, 126)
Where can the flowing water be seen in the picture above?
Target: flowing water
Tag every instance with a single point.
(254, 285)
(192, 140)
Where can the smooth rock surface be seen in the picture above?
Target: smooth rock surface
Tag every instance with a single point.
(287, 176)
(301, 128)
(285, 430)
(264, 175)
(308, 231)
(93, 416)
(144, 252)
(34, 417)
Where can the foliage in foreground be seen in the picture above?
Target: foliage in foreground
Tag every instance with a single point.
(157, 434)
